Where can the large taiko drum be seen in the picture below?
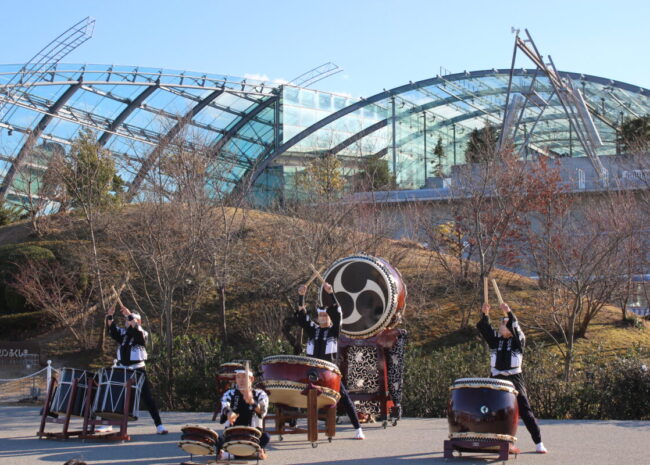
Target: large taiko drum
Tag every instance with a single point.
(111, 394)
(242, 441)
(197, 440)
(371, 292)
(64, 394)
(287, 376)
(483, 408)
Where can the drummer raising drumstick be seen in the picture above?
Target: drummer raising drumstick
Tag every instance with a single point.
(322, 341)
(506, 356)
(244, 406)
(131, 354)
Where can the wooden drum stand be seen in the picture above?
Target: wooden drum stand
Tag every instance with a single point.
(282, 415)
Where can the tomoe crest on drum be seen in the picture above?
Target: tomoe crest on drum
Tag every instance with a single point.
(370, 293)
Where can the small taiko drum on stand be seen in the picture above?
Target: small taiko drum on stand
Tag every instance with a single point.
(197, 440)
(286, 377)
(242, 441)
(482, 415)
(370, 291)
(227, 371)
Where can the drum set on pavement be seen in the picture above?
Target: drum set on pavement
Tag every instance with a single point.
(110, 396)
(482, 414)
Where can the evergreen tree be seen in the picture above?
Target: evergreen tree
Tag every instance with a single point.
(481, 145)
(439, 152)
(376, 175)
(635, 134)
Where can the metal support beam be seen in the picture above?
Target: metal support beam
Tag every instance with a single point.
(34, 136)
(131, 107)
(165, 140)
(394, 136)
(251, 115)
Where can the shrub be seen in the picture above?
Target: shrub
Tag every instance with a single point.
(196, 360)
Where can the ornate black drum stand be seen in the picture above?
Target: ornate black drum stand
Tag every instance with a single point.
(498, 446)
(90, 420)
(372, 371)
(47, 415)
(284, 415)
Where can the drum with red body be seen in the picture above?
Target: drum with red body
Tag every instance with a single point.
(285, 377)
(371, 293)
(227, 370)
(483, 408)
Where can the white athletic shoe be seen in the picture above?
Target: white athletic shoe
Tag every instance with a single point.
(103, 429)
(540, 449)
(160, 429)
(359, 434)
(226, 455)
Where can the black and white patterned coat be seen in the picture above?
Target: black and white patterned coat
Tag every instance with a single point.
(131, 352)
(506, 354)
(233, 401)
(322, 343)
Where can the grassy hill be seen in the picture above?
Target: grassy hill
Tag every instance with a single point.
(434, 315)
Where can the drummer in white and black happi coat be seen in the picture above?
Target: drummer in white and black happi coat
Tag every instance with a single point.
(131, 353)
(323, 339)
(506, 356)
(244, 407)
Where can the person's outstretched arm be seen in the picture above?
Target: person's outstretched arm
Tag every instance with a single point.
(513, 325)
(334, 309)
(485, 328)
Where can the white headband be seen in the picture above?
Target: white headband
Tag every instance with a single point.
(321, 310)
(250, 373)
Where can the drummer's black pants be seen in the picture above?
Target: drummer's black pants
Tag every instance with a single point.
(147, 398)
(525, 411)
(349, 406)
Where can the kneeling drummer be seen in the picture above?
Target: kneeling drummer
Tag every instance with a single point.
(244, 406)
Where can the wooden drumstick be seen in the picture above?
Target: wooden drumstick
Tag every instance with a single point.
(486, 290)
(117, 296)
(318, 275)
(248, 378)
(496, 290)
(311, 279)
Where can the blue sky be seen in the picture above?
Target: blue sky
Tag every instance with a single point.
(380, 43)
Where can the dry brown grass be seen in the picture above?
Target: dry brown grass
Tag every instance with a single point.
(431, 319)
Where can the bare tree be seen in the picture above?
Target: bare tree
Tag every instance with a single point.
(64, 292)
(585, 267)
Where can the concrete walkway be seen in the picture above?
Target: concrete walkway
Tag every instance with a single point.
(413, 441)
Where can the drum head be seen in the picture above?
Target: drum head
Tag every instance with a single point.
(241, 448)
(200, 431)
(370, 291)
(196, 448)
(233, 431)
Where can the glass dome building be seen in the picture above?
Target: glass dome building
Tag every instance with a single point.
(266, 134)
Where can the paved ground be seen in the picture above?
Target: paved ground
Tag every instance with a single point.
(413, 441)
